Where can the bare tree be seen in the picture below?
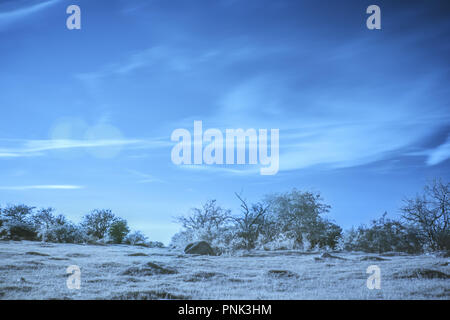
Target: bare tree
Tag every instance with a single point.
(430, 213)
(207, 221)
(251, 222)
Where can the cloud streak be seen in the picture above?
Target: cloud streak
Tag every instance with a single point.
(144, 177)
(41, 187)
(39, 147)
(14, 15)
(439, 154)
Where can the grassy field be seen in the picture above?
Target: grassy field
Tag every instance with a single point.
(33, 270)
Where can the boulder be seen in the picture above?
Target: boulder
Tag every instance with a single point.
(199, 247)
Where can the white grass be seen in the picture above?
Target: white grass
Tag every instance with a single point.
(27, 276)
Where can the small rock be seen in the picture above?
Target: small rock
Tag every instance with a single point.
(33, 253)
(326, 255)
(373, 258)
(282, 274)
(148, 269)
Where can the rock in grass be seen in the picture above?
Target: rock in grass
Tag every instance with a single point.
(149, 295)
(34, 253)
(373, 258)
(202, 276)
(148, 269)
(422, 274)
(199, 247)
(326, 255)
(282, 274)
(78, 255)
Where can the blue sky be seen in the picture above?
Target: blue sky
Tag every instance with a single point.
(86, 115)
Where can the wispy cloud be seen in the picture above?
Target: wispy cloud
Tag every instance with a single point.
(220, 169)
(438, 154)
(39, 147)
(8, 17)
(144, 177)
(146, 58)
(41, 187)
(173, 59)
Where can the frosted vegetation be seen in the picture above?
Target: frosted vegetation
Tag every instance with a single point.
(272, 249)
(297, 220)
(33, 270)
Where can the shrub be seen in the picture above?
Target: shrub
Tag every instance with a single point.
(325, 235)
(181, 239)
(155, 244)
(135, 238)
(17, 224)
(298, 215)
(53, 228)
(13, 230)
(65, 231)
(98, 223)
(18, 213)
(205, 223)
(118, 230)
(43, 221)
(384, 235)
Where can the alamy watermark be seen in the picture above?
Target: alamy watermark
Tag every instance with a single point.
(214, 147)
(374, 280)
(374, 20)
(74, 279)
(74, 20)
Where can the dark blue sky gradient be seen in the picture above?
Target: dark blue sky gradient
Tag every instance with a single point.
(363, 114)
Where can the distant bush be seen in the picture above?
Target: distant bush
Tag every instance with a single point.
(206, 223)
(16, 223)
(18, 213)
(64, 231)
(14, 230)
(98, 222)
(21, 222)
(51, 228)
(181, 239)
(136, 238)
(155, 244)
(384, 235)
(298, 216)
(118, 230)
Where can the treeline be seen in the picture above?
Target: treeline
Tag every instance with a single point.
(21, 222)
(291, 220)
(295, 220)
